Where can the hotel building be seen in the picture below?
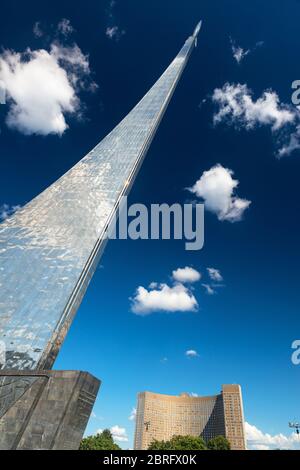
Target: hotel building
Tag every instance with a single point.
(163, 416)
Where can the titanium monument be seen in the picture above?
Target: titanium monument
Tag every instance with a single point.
(49, 251)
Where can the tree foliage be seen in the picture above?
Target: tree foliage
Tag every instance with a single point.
(191, 443)
(179, 443)
(218, 443)
(101, 441)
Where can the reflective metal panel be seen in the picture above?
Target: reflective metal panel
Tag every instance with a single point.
(49, 249)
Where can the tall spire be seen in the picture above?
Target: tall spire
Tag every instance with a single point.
(50, 248)
(197, 29)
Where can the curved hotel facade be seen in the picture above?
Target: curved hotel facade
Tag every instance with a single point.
(163, 416)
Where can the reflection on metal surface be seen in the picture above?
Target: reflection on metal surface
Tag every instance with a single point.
(50, 248)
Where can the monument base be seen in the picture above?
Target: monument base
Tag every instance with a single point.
(44, 410)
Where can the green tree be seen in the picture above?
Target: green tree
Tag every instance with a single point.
(179, 443)
(101, 441)
(218, 443)
(159, 445)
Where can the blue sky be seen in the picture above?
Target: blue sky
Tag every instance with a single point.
(242, 333)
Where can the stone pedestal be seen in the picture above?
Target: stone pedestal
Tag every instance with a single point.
(42, 410)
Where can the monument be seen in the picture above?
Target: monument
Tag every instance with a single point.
(49, 250)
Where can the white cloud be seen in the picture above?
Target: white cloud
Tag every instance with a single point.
(215, 274)
(37, 30)
(237, 106)
(186, 274)
(163, 298)
(209, 289)
(2, 93)
(71, 55)
(6, 211)
(292, 145)
(64, 27)
(258, 440)
(153, 285)
(42, 87)
(76, 65)
(239, 53)
(194, 395)
(191, 353)
(114, 32)
(217, 187)
(132, 415)
(118, 433)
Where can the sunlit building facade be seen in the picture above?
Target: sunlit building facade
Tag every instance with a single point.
(162, 416)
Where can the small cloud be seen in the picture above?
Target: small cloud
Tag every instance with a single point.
(153, 285)
(6, 211)
(111, 7)
(191, 353)
(209, 289)
(164, 298)
(202, 103)
(217, 188)
(239, 53)
(64, 27)
(119, 433)
(114, 32)
(215, 274)
(164, 360)
(132, 415)
(194, 395)
(37, 30)
(2, 93)
(292, 145)
(186, 274)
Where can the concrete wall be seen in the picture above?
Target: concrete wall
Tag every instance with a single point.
(45, 409)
